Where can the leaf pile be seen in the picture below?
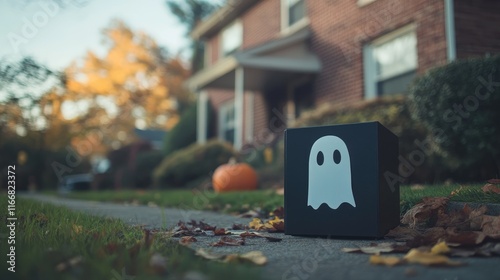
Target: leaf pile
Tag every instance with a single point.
(429, 234)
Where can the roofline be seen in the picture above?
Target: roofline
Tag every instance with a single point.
(221, 18)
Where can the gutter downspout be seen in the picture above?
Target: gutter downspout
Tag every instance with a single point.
(449, 15)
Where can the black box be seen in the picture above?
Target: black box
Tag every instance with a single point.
(349, 169)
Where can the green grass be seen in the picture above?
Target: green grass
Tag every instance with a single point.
(229, 202)
(237, 202)
(47, 236)
(467, 193)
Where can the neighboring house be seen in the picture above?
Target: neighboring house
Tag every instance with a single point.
(269, 60)
(153, 136)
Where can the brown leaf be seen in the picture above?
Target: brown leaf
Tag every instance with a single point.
(239, 227)
(429, 259)
(186, 240)
(402, 233)
(220, 231)
(228, 241)
(148, 238)
(491, 226)
(201, 225)
(490, 188)
(278, 212)
(250, 214)
(428, 238)
(425, 213)
(494, 181)
(255, 234)
(464, 238)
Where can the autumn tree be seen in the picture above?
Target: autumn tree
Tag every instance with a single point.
(134, 84)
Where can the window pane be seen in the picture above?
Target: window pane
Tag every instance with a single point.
(395, 85)
(396, 56)
(296, 11)
(232, 38)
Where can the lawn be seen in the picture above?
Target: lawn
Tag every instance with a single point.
(267, 200)
(55, 243)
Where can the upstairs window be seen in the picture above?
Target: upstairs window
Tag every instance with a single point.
(390, 63)
(232, 38)
(293, 12)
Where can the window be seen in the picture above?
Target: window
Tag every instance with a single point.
(232, 38)
(390, 63)
(227, 122)
(293, 13)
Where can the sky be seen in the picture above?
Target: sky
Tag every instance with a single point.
(56, 36)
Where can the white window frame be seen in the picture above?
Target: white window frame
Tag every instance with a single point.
(224, 109)
(369, 66)
(285, 14)
(235, 24)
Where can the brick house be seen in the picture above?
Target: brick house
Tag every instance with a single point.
(266, 61)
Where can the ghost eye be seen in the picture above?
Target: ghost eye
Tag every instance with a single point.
(320, 158)
(336, 156)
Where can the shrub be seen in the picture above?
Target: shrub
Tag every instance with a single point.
(184, 133)
(394, 114)
(459, 103)
(192, 163)
(146, 162)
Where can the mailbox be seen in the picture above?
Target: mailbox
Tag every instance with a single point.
(338, 180)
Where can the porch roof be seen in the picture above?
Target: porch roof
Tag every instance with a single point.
(270, 64)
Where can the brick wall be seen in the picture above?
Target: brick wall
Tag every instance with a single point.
(261, 23)
(477, 27)
(341, 28)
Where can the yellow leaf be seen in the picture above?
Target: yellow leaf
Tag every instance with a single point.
(440, 248)
(428, 258)
(256, 223)
(389, 260)
(77, 229)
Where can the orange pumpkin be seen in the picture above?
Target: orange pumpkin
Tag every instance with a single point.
(234, 177)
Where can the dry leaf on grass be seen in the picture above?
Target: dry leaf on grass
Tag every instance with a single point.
(491, 226)
(389, 260)
(429, 259)
(425, 213)
(490, 188)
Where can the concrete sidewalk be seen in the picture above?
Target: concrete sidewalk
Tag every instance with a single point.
(296, 258)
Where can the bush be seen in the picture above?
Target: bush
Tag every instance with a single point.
(192, 163)
(394, 114)
(184, 133)
(459, 103)
(146, 162)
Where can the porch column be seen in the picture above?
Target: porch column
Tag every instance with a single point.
(201, 122)
(238, 108)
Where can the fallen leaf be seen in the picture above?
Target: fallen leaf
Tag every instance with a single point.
(491, 226)
(429, 259)
(389, 260)
(276, 225)
(228, 241)
(148, 238)
(186, 240)
(494, 181)
(278, 212)
(400, 233)
(256, 223)
(424, 214)
(490, 188)
(238, 227)
(250, 214)
(255, 234)
(255, 257)
(378, 248)
(220, 231)
(464, 238)
(440, 248)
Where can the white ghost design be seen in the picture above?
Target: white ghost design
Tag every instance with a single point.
(329, 173)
